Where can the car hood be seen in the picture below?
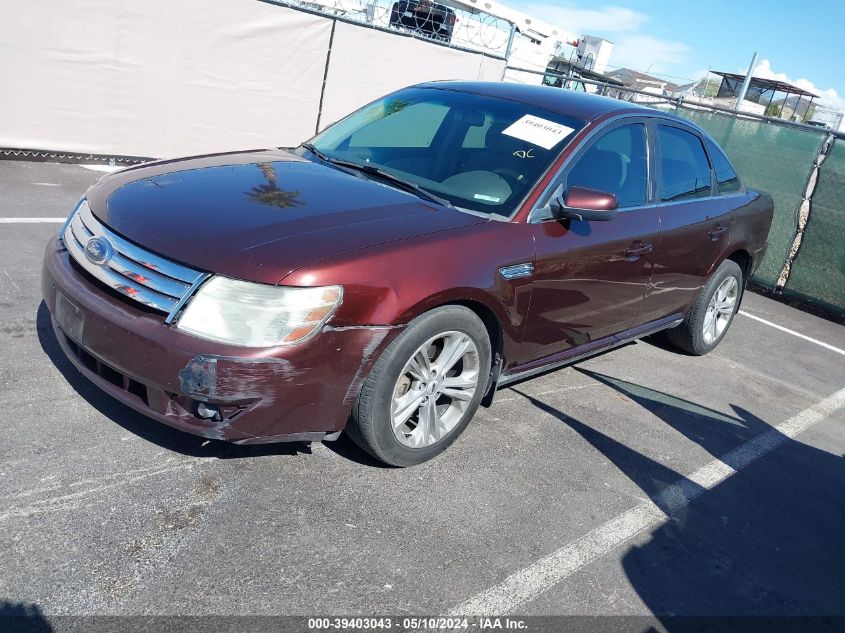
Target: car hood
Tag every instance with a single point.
(259, 215)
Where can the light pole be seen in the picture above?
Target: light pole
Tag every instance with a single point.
(745, 83)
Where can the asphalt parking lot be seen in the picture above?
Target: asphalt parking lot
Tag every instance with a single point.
(640, 482)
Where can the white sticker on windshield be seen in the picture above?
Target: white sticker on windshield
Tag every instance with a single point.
(486, 198)
(537, 131)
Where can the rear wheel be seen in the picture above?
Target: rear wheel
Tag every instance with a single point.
(712, 313)
(424, 389)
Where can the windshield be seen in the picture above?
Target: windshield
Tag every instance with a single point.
(477, 152)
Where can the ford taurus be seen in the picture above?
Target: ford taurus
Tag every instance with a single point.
(386, 277)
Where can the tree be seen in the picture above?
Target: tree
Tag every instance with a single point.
(774, 110)
(270, 193)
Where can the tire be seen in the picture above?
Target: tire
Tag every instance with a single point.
(402, 380)
(691, 336)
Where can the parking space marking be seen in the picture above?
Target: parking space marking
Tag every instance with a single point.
(32, 220)
(793, 332)
(528, 583)
(104, 168)
(12, 281)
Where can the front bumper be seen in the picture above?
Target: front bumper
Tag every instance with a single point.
(302, 392)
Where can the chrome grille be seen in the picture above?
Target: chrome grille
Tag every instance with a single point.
(132, 271)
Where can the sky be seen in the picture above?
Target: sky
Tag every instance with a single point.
(799, 42)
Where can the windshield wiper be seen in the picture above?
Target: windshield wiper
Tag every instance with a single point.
(407, 185)
(401, 183)
(318, 153)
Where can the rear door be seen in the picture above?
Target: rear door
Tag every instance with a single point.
(695, 221)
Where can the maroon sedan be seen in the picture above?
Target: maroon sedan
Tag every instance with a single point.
(386, 277)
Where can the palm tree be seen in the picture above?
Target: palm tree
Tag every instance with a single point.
(270, 193)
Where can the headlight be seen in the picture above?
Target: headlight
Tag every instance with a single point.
(258, 315)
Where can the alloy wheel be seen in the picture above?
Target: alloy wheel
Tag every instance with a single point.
(720, 309)
(434, 390)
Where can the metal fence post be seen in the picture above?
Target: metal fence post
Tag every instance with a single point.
(509, 49)
(325, 79)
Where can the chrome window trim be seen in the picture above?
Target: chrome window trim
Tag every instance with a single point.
(139, 275)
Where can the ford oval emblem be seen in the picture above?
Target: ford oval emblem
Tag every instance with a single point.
(98, 250)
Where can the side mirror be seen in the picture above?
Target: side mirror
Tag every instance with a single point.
(581, 203)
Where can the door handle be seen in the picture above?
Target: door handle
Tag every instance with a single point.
(637, 250)
(716, 233)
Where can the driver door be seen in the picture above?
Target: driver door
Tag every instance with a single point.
(590, 277)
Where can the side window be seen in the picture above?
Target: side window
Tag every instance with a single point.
(411, 125)
(616, 163)
(685, 171)
(726, 176)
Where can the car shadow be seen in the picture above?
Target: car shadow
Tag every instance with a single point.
(142, 426)
(346, 448)
(22, 617)
(763, 550)
(660, 340)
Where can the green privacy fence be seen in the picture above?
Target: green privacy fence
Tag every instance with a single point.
(797, 165)
(772, 158)
(818, 271)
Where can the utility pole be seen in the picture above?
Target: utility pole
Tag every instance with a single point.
(745, 83)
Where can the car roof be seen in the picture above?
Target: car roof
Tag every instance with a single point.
(579, 105)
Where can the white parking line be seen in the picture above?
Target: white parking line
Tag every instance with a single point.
(105, 168)
(793, 332)
(32, 220)
(528, 583)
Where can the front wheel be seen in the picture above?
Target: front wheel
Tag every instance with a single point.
(424, 389)
(712, 313)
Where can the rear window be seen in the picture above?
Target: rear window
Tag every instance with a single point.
(726, 176)
(685, 171)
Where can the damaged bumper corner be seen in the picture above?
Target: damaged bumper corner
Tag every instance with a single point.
(297, 393)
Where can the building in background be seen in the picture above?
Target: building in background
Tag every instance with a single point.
(563, 73)
(592, 53)
(768, 97)
(655, 88)
(586, 59)
(640, 81)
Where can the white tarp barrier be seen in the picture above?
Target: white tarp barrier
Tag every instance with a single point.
(367, 63)
(519, 77)
(158, 78)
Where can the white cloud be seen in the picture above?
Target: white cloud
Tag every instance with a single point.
(587, 21)
(828, 97)
(648, 54)
(624, 27)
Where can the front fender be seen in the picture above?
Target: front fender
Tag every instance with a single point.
(391, 284)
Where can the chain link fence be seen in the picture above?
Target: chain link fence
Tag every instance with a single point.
(447, 23)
